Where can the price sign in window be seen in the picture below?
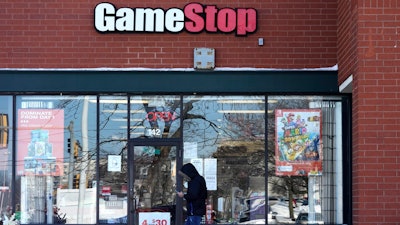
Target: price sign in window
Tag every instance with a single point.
(154, 218)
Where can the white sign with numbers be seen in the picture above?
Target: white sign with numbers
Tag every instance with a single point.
(154, 218)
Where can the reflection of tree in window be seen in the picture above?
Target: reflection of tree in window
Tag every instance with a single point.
(231, 129)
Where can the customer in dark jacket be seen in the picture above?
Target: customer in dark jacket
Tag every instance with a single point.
(196, 194)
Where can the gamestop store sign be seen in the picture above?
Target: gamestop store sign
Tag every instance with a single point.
(193, 18)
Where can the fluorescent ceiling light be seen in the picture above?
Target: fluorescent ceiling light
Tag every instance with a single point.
(136, 127)
(63, 97)
(133, 127)
(134, 101)
(136, 133)
(115, 137)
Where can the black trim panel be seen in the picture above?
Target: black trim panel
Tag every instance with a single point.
(168, 82)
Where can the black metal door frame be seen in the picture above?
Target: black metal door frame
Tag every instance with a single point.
(131, 172)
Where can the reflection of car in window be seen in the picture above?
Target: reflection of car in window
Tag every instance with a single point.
(255, 209)
(305, 218)
(273, 200)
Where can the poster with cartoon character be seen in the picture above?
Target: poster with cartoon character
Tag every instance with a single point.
(298, 145)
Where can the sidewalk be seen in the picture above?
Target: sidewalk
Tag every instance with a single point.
(283, 213)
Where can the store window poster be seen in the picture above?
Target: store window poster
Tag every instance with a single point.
(298, 145)
(40, 148)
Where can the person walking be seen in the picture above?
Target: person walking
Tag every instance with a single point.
(195, 196)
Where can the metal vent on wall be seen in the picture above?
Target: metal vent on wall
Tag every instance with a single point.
(204, 58)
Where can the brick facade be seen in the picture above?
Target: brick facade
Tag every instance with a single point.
(59, 34)
(369, 50)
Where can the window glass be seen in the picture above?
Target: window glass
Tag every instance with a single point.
(304, 159)
(113, 167)
(224, 137)
(154, 185)
(6, 150)
(56, 159)
(155, 116)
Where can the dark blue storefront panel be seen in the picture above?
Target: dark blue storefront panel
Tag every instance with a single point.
(147, 82)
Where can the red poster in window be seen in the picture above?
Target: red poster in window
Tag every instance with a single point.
(40, 142)
(298, 146)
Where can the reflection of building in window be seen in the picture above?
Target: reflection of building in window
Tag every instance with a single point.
(3, 130)
(240, 179)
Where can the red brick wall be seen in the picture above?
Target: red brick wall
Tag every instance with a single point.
(61, 34)
(347, 38)
(376, 91)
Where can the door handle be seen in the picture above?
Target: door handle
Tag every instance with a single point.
(134, 204)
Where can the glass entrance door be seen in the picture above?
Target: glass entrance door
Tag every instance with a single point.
(153, 187)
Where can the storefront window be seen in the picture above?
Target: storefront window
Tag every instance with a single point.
(113, 166)
(155, 116)
(6, 118)
(224, 137)
(106, 159)
(56, 159)
(304, 159)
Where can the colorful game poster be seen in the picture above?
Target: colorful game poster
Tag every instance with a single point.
(40, 142)
(298, 147)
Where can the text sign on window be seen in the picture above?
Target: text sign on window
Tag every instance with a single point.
(154, 218)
